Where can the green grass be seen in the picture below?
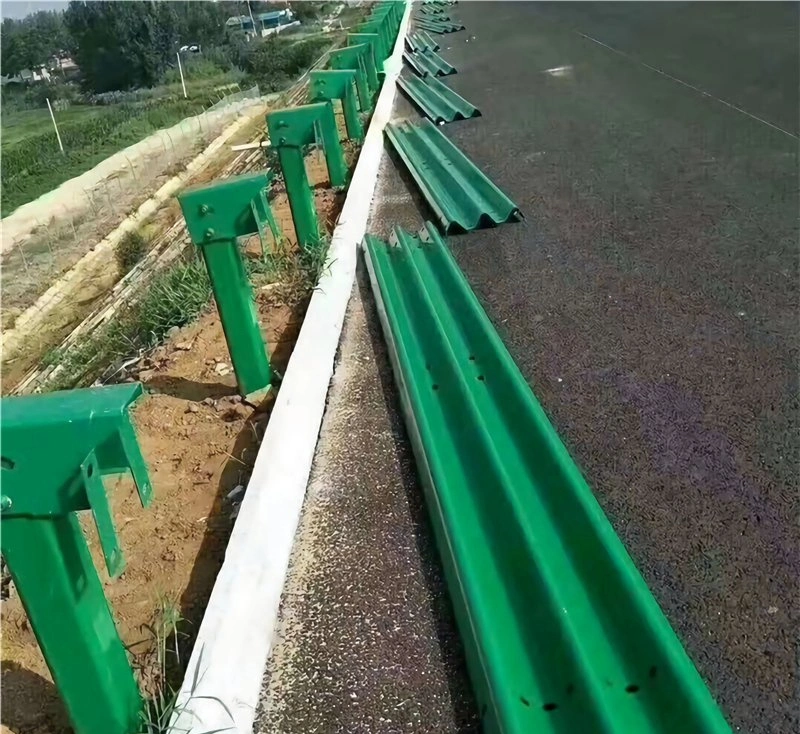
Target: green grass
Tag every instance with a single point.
(33, 164)
(176, 297)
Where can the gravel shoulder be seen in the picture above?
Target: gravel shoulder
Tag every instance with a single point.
(367, 642)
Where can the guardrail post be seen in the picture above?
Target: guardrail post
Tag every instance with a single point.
(88, 435)
(290, 130)
(359, 59)
(378, 27)
(217, 215)
(330, 85)
(372, 40)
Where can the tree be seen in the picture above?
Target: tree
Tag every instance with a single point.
(32, 41)
(119, 45)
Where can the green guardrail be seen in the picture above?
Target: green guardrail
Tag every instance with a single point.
(439, 103)
(460, 194)
(355, 72)
(217, 215)
(561, 633)
(56, 449)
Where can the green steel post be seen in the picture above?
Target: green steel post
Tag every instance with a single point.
(216, 216)
(356, 58)
(379, 28)
(290, 130)
(373, 65)
(300, 194)
(329, 85)
(88, 435)
(376, 68)
(62, 594)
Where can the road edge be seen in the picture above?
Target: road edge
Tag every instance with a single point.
(224, 675)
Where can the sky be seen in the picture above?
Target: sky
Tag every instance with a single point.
(21, 8)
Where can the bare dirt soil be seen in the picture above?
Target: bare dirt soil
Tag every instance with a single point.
(200, 441)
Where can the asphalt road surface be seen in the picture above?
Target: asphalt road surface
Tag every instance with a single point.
(651, 294)
(651, 299)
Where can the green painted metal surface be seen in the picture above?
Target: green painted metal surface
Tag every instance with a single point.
(421, 41)
(216, 216)
(290, 131)
(436, 99)
(439, 25)
(371, 40)
(327, 85)
(359, 59)
(428, 63)
(561, 633)
(56, 448)
(381, 28)
(462, 197)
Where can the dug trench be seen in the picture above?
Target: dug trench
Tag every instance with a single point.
(200, 441)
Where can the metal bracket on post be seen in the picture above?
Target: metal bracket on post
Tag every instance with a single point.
(372, 40)
(290, 130)
(380, 28)
(264, 218)
(217, 215)
(359, 59)
(330, 85)
(56, 448)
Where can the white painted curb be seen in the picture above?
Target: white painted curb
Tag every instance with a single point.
(235, 637)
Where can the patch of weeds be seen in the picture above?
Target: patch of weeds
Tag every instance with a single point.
(297, 269)
(175, 297)
(131, 248)
(160, 671)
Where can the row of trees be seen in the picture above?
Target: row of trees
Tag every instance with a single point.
(30, 42)
(120, 45)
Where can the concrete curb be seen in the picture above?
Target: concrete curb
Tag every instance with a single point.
(236, 634)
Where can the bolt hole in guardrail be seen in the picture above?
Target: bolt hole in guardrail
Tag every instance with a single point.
(525, 701)
(6, 463)
(471, 357)
(90, 470)
(435, 386)
(481, 378)
(550, 706)
(632, 688)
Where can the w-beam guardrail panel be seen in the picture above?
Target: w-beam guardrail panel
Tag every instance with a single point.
(561, 633)
(421, 41)
(438, 102)
(428, 63)
(462, 197)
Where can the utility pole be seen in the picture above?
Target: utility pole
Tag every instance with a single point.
(252, 20)
(53, 118)
(180, 69)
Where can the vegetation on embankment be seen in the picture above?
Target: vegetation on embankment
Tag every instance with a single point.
(112, 103)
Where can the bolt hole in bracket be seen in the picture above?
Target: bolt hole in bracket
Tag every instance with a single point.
(88, 435)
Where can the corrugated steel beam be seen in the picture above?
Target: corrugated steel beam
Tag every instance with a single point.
(561, 633)
(421, 41)
(461, 196)
(439, 25)
(428, 62)
(436, 99)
